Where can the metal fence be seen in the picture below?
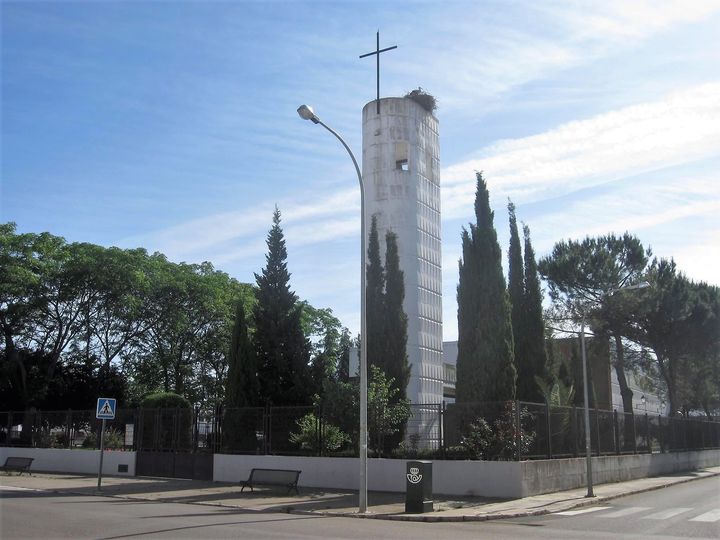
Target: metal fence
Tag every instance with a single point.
(500, 430)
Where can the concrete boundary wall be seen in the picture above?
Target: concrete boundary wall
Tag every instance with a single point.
(505, 479)
(548, 476)
(73, 461)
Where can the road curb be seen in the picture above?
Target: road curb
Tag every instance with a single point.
(431, 518)
(434, 517)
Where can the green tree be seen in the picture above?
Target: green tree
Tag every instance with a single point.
(343, 361)
(387, 412)
(526, 387)
(395, 359)
(374, 301)
(485, 365)
(680, 321)
(533, 338)
(283, 351)
(241, 387)
(583, 276)
(325, 333)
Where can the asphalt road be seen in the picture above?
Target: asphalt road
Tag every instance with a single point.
(682, 511)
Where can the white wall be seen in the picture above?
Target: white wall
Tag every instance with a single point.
(73, 461)
(505, 479)
(480, 478)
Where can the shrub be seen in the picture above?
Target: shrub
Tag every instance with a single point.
(165, 400)
(161, 409)
(333, 438)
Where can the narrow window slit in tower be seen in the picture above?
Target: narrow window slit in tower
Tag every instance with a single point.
(402, 165)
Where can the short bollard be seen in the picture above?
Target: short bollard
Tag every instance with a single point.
(418, 487)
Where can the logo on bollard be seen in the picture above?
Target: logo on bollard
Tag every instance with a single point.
(414, 477)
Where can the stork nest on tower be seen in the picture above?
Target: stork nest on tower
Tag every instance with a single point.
(422, 98)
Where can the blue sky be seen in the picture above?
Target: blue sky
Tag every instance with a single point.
(172, 125)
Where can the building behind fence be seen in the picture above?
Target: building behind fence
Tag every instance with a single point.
(505, 430)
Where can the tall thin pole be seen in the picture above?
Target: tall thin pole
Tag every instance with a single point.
(588, 449)
(363, 443)
(377, 78)
(102, 451)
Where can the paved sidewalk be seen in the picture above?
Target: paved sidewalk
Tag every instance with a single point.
(333, 502)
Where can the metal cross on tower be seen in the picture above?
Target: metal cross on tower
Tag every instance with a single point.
(377, 52)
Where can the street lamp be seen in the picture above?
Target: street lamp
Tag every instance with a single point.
(306, 113)
(588, 444)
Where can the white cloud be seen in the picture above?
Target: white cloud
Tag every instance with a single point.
(496, 54)
(230, 236)
(621, 20)
(683, 127)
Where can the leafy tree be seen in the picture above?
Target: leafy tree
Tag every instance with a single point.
(190, 336)
(325, 333)
(283, 351)
(485, 365)
(387, 413)
(39, 317)
(583, 276)
(680, 321)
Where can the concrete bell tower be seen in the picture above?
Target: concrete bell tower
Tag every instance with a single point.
(401, 175)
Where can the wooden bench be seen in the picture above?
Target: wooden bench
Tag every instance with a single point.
(272, 477)
(20, 464)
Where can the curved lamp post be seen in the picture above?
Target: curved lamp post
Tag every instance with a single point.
(306, 113)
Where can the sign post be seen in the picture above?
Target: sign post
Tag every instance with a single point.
(105, 410)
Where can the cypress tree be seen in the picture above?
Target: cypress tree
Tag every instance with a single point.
(395, 360)
(375, 301)
(343, 361)
(241, 387)
(535, 351)
(516, 292)
(283, 351)
(485, 366)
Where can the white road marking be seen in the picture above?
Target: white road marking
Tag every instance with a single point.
(14, 488)
(625, 512)
(709, 517)
(582, 511)
(665, 514)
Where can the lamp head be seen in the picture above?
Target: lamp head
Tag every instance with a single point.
(306, 113)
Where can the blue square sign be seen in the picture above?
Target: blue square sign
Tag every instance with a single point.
(105, 408)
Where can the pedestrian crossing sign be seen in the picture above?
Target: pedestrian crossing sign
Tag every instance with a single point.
(105, 408)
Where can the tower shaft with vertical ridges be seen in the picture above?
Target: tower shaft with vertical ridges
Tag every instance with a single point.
(401, 175)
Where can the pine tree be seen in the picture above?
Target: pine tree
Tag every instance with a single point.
(374, 301)
(241, 387)
(485, 366)
(283, 351)
(535, 351)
